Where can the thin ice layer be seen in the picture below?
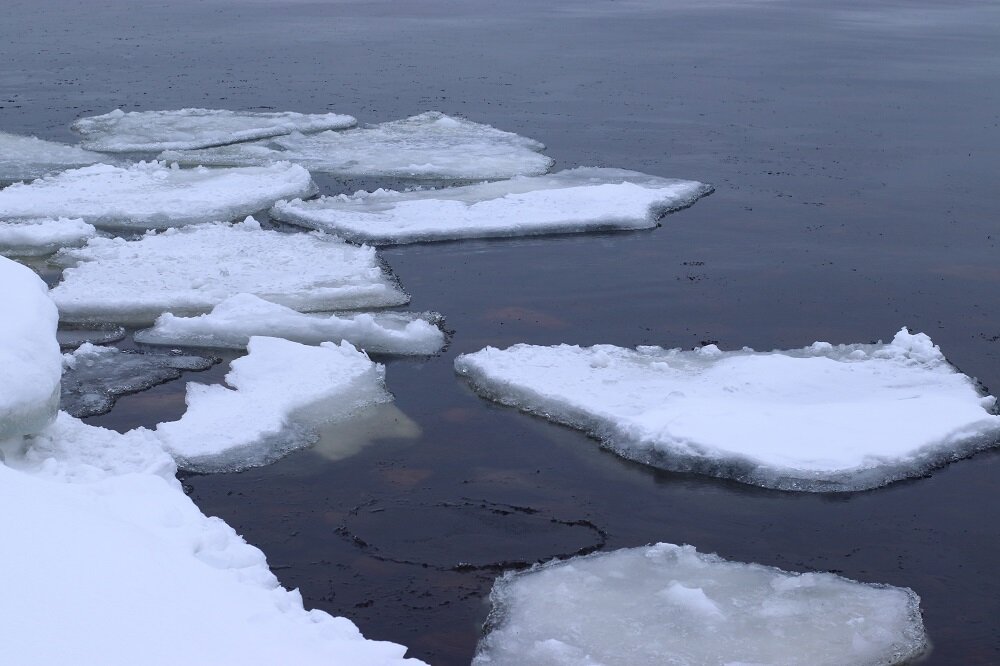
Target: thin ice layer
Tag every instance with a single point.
(152, 195)
(279, 390)
(667, 604)
(427, 146)
(190, 270)
(235, 320)
(822, 418)
(27, 157)
(184, 129)
(35, 238)
(583, 199)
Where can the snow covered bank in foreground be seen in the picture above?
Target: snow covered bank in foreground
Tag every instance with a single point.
(190, 270)
(35, 238)
(583, 199)
(822, 418)
(427, 146)
(27, 158)
(153, 195)
(671, 604)
(182, 129)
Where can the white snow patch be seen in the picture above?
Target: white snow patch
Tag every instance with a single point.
(35, 238)
(27, 157)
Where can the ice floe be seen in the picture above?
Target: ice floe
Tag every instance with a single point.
(73, 336)
(427, 146)
(667, 604)
(153, 195)
(822, 418)
(27, 157)
(582, 199)
(235, 320)
(183, 129)
(35, 238)
(190, 270)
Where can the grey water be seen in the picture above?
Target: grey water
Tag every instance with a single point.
(853, 147)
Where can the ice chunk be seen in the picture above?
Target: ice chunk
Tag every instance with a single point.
(152, 195)
(190, 270)
(30, 363)
(27, 158)
(73, 337)
(427, 146)
(667, 604)
(235, 320)
(94, 377)
(35, 238)
(823, 418)
(583, 199)
(279, 391)
(183, 129)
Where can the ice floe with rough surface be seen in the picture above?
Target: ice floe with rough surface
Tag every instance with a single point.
(822, 418)
(27, 157)
(153, 195)
(583, 199)
(281, 391)
(35, 238)
(234, 321)
(427, 146)
(185, 129)
(190, 270)
(667, 604)
(94, 377)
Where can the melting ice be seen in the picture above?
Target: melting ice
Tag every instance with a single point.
(27, 157)
(34, 238)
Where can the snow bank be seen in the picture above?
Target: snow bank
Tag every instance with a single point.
(671, 604)
(26, 157)
(235, 320)
(190, 270)
(279, 390)
(427, 146)
(152, 195)
(823, 418)
(35, 238)
(583, 199)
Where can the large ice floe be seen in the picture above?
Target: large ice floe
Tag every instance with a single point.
(822, 418)
(583, 199)
(34, 238)
(183, 129)
(427, 146)
(190, 270)
(232, 323)
(27, 157)
(153, 195)
(667, 604)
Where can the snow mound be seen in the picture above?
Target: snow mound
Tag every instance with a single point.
(671, 604)
(235, 320)
(190, 270)
(152, 195)
(35, 238)
(583, 199)
(27, 157)
(822, 418)
(280, 390)
(183, 129)
(427, 146)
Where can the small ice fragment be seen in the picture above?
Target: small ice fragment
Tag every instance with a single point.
(73, 337)
(27, 158)
(35, 238)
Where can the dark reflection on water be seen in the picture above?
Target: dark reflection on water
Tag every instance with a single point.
(854, 153)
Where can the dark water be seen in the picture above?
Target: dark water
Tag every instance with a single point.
(853, 146)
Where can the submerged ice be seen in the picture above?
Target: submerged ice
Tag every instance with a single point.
(583, 199)
(822, 418)
(27, 157)
(33, 238)
(667, 604)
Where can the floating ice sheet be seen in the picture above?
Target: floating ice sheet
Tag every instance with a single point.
(27, 158)
(235, 320)
(667, 604)
(190, 270)
(185, 129)
(72, 337)
(35, 238)
(583, 199)
(152, 195)
(822, 418)
(427, 146)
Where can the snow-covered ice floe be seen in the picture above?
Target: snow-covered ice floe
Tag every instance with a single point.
(235, 320)
(153, 195)
(27, 157)
(184, 129)
(582, 199)
(190, 270)
(822, 418)
(35, 238)
(667, 604)
(427, 146)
